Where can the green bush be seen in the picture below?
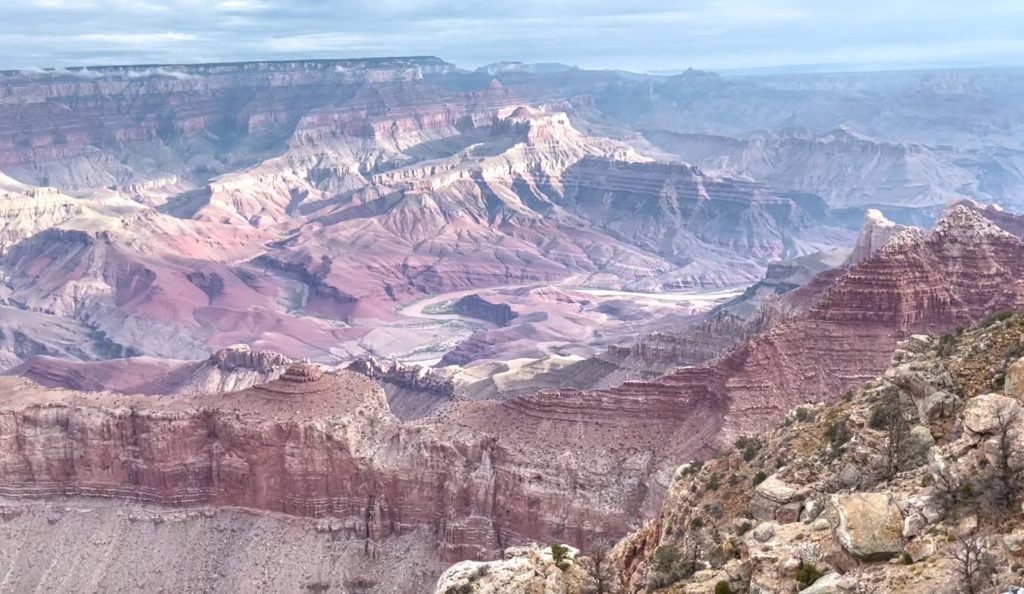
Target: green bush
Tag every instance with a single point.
(996, 317)
(560, 553)
(723, 587)
(665, 559)
(967, 491)
(714, 483)
(807, 574)
(759, 477)
(907, 559)
(696, 524)
(743, 528)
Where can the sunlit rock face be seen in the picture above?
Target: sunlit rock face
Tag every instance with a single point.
(171, 212)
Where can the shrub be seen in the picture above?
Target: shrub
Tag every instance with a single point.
(759, 477)
(967, 491)
(907, 559)
(802, 414)
(996, 317)
(723, 587)
(879, 418)
(665, 559)
(926, 480)
(696, 524)
(743, 528)
(694, 467)
(560, 553)
(807, 574)
(714, 483)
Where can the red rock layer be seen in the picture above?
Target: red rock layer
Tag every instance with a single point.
(561, 465)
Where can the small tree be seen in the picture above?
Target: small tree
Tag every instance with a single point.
(947, 483)
(888, 417)
(599, 566)
(560, 554)
(1007, 466)
(970, 564)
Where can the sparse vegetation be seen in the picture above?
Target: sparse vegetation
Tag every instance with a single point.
(560, 554)
(599, 566)
(807, 574)
(996, 317)
(759, 477)
(971, 564)
(723, 587)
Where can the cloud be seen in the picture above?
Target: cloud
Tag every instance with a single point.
(136, 38)
(631, 34)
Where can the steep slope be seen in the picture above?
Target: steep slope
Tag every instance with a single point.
(888, 488)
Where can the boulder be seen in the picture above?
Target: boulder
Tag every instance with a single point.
(1014, 543)
(919, 442)
(764, 532)
(831, 583)
(789, 513)
(981, 414)
(937, 405)
(849, 477)
(811, 510)
(868, 526)
(770, 495)
(920, 549)
(913, 524)
(1014, 383)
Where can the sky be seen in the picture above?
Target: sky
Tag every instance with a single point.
(637, 35)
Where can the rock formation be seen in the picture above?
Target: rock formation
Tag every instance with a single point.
(596, 461)
(230, 369)
(876, 232)
(477, 307)
(877, 490)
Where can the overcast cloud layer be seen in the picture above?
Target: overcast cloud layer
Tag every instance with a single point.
(639, 35)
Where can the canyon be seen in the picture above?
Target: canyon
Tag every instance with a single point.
(475, 477)
(347, 312)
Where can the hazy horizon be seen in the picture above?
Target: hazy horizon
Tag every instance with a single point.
(640, 36)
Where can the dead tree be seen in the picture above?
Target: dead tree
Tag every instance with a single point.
(598, 564)
(946, 481)
(1007, 466)
(970, 562)
(889, 418)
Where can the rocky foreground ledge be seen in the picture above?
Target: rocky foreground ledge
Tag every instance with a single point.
(912, 483)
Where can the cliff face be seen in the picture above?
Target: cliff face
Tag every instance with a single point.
(95, 118)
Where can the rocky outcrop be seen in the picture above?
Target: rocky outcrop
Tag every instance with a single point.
(869, 526)
(876, 232)
(230, 369)
(522, 570)
(475, 306)
(241, 357)
(413, 391)
(916, 508)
